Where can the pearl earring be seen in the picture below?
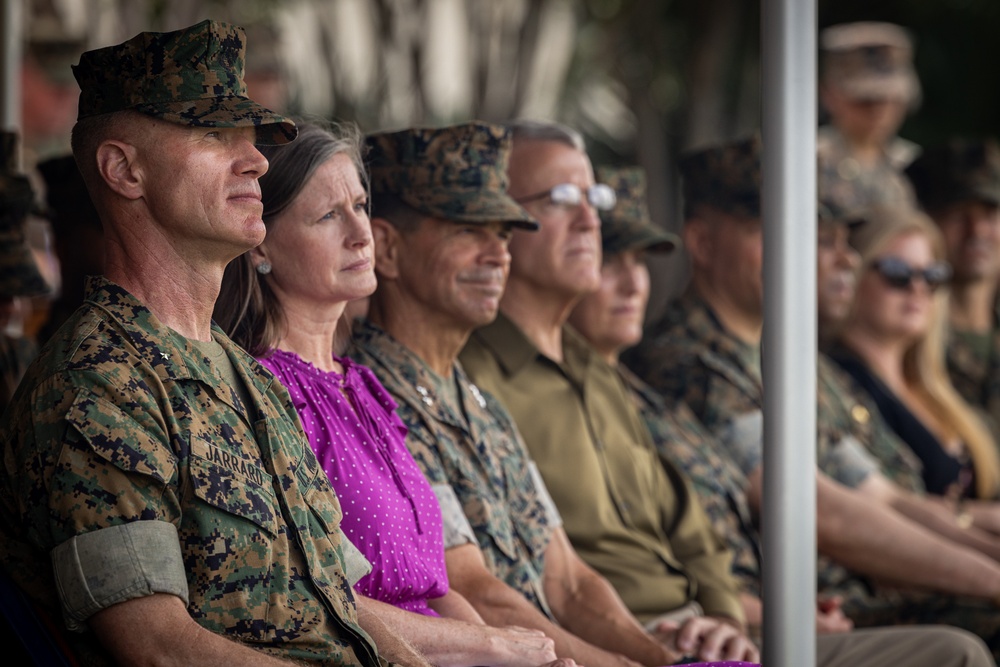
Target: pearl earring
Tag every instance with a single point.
(263, 268)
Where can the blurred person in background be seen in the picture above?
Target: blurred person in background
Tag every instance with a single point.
(958, 185)
(867, 86)
(78, 239)
(19, 275)
(892, 344)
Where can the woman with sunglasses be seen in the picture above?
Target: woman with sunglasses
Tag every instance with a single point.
(893, 346)
(282, 302)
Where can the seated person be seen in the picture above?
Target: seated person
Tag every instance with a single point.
(892, 345)
(282, 301)
(158, 495)
(958, 185)
(20, 276)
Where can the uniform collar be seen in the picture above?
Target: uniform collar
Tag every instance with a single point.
(514, 351)
(170, 354)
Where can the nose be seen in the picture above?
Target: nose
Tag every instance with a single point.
(495, 251)
(847, 257)
(251, 161)
(359, 229)
(588, 218)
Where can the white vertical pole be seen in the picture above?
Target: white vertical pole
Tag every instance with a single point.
(11, 23)
(789, 338)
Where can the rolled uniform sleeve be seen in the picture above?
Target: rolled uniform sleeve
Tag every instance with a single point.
(104, 567)
(356, 566)
(743, 438)
(457, 529)
(112, 513)
(848, 462)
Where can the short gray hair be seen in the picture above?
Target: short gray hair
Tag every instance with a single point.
(523, 129)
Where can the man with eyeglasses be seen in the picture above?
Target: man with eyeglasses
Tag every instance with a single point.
(640, 529)
(958, 185)
(706, 352)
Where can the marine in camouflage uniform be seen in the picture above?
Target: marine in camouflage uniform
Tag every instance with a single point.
(463, 440)
(222, 496)
(19, 276)
(958, 185)
(864, 62)
(690, 357)
(470, 451)
(141, 462)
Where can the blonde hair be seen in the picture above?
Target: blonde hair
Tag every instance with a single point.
(924, 367)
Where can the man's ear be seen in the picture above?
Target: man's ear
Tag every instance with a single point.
(697, 236)
(388, 247)
(118, 165)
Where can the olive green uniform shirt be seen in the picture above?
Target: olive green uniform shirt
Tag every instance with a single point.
(631, 518)
(131, 467)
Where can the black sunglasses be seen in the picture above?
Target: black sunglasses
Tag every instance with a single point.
(898, 274)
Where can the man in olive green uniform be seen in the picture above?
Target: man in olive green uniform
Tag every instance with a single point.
(958, 184)
(19, 276)
(158, 495)
(867, 85)
(441, 219)
(705, 353)
(626, 517)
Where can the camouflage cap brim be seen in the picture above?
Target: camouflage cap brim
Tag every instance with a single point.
(898, 86)
(475, 206)
(19, 275)
(616, 238)
(223, 112)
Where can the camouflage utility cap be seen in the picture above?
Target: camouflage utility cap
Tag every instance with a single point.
(870, 60)
(726, 177)
(190, 77)
(19, 275)
(955, 172)
(457, 173)
(628, 226)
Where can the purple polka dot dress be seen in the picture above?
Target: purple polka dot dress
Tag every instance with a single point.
(390, 512)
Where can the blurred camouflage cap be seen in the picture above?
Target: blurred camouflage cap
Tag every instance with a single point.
(957, 171)
(726, 177)
(457, 173)
(19, 275)
(870, 60)
(190, 77)
(628, 226)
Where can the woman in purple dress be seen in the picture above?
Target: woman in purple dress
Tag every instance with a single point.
(282, 302)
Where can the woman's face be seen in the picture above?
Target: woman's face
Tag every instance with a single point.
(897, 311)
(320, 248)
(611, 318)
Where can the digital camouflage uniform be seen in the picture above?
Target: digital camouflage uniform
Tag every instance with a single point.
(471, 452)
(848, 187)
(138, 469)
(684, 442)
(966, 172)
(846, 417)
(19, 276)
(866, 61)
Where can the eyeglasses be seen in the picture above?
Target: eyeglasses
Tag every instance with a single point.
(600, 196)
(899, 275)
